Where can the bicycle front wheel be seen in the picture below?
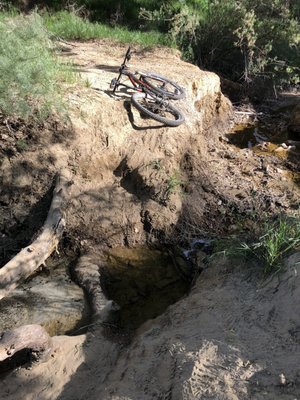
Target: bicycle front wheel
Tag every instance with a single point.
(163, 86)
(159, 110)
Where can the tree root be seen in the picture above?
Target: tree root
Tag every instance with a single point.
(88, 275)
(31, 257)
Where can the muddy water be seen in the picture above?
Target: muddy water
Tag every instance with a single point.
(50, 299)
(246, 136)
(266, 141)
(143, 282)
(250, 135)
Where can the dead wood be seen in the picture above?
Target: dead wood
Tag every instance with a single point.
(31, 257)
(32, 337)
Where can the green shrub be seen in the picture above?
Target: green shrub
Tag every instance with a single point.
(249, 40)
(31, 77)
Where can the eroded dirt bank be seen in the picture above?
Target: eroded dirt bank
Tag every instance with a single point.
(135, 181)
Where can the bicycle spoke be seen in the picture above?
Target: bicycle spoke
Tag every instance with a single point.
(163, 86)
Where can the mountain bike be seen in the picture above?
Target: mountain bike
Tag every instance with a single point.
(153, 93)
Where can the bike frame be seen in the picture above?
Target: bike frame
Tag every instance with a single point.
(137, 83)
(155, 106)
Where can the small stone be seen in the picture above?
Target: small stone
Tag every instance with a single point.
(282, 380)
(246, 363)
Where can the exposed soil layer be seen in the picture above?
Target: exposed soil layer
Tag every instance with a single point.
(136, 181)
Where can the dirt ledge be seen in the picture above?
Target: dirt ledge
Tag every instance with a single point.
(203, 346)
(123, 166)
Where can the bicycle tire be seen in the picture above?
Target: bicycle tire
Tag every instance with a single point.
(157, 83)
(150, 107)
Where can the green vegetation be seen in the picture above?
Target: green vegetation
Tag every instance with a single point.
(68, 25)
(31, 77)
(174, 182)
(275, 241)
(263, 238)
(252, 41)
(249, 40)
(21, 145)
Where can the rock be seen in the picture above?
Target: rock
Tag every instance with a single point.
(282, 380)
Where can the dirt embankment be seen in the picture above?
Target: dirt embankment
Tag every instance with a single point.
(128, 172)
(136, 181)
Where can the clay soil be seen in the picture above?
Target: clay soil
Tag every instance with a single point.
(235, 335)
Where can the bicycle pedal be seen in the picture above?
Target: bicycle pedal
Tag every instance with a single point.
(113, 83)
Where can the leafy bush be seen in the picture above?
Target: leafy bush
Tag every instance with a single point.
(179, 21)
(246, 40)
(31, 77)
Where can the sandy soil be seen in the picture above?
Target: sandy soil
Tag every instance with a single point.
(234, 336)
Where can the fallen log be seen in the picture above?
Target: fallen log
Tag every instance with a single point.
(31, 257)
(31, 337)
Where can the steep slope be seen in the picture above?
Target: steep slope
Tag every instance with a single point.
(137, 181)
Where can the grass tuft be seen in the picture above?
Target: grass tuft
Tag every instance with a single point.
(276, 240)
(31, 77)
(174, 182)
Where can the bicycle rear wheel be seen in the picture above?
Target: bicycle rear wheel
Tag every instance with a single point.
(159, 110)
(163, 86)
